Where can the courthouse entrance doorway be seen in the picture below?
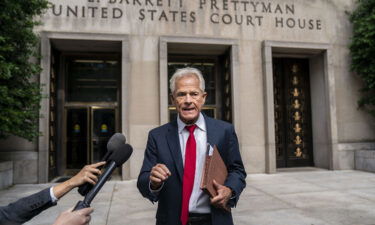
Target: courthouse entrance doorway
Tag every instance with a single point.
(292, 105)
(91, 114)
(87, 111)
(88, 129)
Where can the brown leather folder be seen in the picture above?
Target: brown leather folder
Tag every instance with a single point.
(214, 169)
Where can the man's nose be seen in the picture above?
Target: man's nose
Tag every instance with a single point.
(188, 98)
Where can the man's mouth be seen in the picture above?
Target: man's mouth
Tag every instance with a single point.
(188, 109)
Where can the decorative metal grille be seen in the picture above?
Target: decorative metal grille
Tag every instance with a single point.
(292, 112)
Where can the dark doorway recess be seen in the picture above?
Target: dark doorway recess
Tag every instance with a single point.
(293, 130)
(85, 102)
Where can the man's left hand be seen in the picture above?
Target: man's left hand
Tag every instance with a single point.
(223, 195)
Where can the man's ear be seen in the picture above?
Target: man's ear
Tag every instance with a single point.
(172, 98)
(204, 97)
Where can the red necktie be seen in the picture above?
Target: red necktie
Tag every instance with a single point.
(189, 173)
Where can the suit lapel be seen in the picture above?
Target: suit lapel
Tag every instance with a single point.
(174, 147)
(210, 126)
(214, 136)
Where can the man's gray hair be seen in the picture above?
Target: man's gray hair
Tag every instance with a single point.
(186, 72)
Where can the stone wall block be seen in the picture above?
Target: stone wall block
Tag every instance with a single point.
(365, 160)
(6, 174)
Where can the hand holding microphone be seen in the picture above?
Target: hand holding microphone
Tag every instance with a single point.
(114, 143)
(79, 217)
(116, 159)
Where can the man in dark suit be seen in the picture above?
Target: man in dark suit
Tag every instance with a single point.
(174, 159)
(26, 208)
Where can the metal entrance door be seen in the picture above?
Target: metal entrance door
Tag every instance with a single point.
(87, 133)
(91, 117)
(292, 112)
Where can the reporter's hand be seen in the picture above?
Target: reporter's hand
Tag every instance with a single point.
(89, 174)
(223, 195)
(159, 173)
(79, 217)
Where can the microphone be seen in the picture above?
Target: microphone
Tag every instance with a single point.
(118, 157)
(114, 143)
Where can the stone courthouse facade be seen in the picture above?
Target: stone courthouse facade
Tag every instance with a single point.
(279, 70)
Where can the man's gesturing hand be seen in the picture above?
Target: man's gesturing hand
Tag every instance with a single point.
(159, 173)
(223, 195)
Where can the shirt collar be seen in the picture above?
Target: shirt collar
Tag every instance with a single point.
(200, 123)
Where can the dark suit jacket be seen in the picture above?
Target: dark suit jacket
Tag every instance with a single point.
(163, 147)
(26, 208)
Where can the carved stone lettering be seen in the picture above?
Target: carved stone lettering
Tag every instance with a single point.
(249, 13)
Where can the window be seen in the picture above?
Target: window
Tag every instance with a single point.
(92, 80)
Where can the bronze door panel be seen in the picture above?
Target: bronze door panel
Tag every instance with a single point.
(292, 112)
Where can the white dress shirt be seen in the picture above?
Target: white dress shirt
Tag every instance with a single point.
(199, 201)
(53, 197)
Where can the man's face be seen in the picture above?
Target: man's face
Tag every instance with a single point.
(188, 98)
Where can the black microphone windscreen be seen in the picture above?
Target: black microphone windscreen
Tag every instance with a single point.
(120, 156)
(115, 142)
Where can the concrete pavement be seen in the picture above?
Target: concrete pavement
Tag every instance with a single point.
(310, 197)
